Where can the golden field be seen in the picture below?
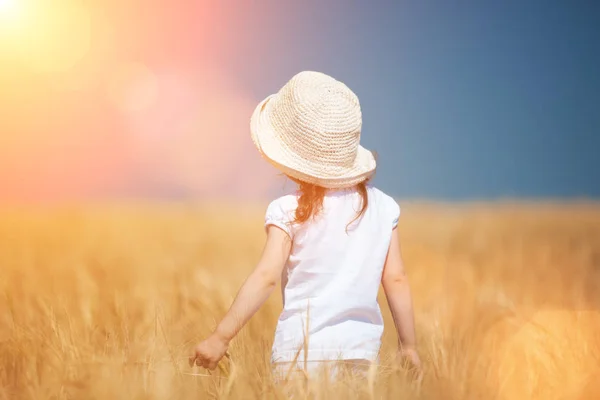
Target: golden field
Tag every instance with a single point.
(106, 303)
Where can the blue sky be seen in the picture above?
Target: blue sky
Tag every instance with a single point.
(462, 100)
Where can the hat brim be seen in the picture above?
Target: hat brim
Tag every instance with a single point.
(269, 145)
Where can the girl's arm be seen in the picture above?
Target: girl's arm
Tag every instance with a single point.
(397, 291)
(252, 295)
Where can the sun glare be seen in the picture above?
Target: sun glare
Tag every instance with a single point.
(49, 38)
(7, 9)
(10, 21)
(7, 6)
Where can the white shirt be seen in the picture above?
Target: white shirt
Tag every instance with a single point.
(331, 279)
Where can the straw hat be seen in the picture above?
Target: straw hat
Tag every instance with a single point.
(310, 130)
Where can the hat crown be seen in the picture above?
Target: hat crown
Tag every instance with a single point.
(318, 118)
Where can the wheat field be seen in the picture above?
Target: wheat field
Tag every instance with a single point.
(105, 302)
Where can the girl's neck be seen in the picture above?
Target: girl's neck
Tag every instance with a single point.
(351, 189)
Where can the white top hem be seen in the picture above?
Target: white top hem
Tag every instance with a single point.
(325, 355)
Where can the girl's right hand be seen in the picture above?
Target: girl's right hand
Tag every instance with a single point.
(209, 352)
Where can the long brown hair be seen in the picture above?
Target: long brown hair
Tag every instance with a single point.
(310, 201)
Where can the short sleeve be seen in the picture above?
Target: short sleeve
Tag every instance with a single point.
(279, 215)
(394, 213)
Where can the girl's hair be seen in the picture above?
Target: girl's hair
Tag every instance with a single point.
(310, 201)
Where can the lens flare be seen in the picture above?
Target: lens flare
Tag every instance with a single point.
(133, 87)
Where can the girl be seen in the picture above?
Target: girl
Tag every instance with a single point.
(332, 243)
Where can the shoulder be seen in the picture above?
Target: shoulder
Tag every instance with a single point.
(385, 202)
(281, 212)
(283, 204)
(382, 198)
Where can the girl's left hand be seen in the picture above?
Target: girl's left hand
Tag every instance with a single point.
(410, 355)
(209, 352)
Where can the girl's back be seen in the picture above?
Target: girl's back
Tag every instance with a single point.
(332, 243)
(332, 277)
